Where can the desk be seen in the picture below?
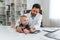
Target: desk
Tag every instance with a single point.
(8, 33)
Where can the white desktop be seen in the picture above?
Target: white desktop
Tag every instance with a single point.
(8, 33)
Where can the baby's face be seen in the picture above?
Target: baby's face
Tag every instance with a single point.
(24, 20)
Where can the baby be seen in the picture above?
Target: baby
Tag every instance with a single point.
(24, 26)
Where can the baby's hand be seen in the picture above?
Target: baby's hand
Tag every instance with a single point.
(19, 29)
(32, 29)
(26, 31)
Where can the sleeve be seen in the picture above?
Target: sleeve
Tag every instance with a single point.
(27, 27)
(17, 23)
(38, 23)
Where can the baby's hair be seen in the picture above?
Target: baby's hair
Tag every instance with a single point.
(23, 16)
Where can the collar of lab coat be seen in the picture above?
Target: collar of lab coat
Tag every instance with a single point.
(35, 16)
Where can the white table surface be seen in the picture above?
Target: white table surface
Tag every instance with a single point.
(7, 33)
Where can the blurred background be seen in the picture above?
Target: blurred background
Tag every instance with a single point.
(10, 11)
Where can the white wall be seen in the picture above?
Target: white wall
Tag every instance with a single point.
(45, 11)
(55, 13)
(31, 2)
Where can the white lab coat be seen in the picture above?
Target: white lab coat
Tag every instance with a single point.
(36, 22)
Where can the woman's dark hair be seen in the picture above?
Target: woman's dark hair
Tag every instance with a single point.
(36, 6)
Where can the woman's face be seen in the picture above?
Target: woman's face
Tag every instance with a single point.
(34, 11)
